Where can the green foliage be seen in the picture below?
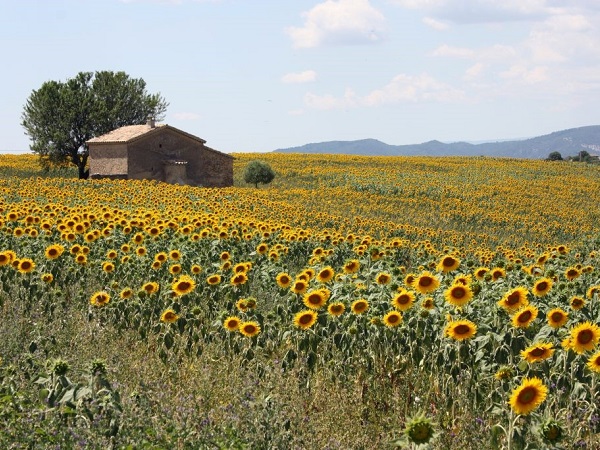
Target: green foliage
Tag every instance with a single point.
(555, 156)
(60, 117)
(258, 172)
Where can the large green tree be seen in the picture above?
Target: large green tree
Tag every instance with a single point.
(60, 117)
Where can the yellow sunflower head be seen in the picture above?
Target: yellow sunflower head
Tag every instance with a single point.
(426, 283)
(232, 323)
(584, 337)
(524, 316)
(283, 280)
(392, 319)
(315, 299)
(305, 319)
(537, 352)
(461, 329)
(183, 285)
(336, 309)
(541, 287)
(249, 329)
(403, 300)
(514, 299)
(528, 396)
(557, 317)
(325, 275)
(458, 295)
(448, 263)
(169, 316)
(359, 306)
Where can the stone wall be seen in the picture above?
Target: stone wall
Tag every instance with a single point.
(149, 155)
(107, 159)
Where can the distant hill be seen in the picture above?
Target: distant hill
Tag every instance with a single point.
(567, 143)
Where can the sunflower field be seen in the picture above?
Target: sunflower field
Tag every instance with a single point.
(353, 303)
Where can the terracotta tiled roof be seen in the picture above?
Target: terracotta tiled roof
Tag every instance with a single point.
(132, 132)
(125, 134)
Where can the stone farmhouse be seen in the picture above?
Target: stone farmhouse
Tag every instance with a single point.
(158, 152)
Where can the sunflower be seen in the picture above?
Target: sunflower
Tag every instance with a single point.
(461, 329)
(150, 287)
(427, 303)
(392, 319)
(542, 287)
(577, 303)
(426, 283)
(325, 275)
(183, 285)
(514, 299)
(315, 299)
(26, 265)
(54, 251)
(497, 273)
(283, 280)
(249, 329)
(504, 373)
(305, 319)
(108, 266)
(571, 273)
(383, 278)
(557, 317)
(480, 273)
(359, 306)
(409, 279)
(404, 300)
(5, 259)
(352, 266)
(524, 316)
(448, 264)
(594, 362)
(213, 280)
(238, 279)
(47, 278)
(196, 269)
(462, 279)
(112, 254)
(100, 298)
(161, 257)
(126, 293)
(458, 295)
(528, 396)
(299, 286)
(262, 249)
(336, 309)
(169, 316)
(232, 323)
(592, 291)
(240, 268)
(175, 255)
(584, 337)
(537, 352)
(242, 305)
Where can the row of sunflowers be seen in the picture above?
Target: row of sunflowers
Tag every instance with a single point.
(351, 273)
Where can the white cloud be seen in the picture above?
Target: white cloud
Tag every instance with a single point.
(339, 22)
(525, 75)
(453, 52)
(435, 24)
(296, 112)
(475, 71)
(478, 11)
(302, 77)
(401, 89)
(348, 100)
(187, 116)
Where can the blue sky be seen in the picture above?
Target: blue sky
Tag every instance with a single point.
(257, 75)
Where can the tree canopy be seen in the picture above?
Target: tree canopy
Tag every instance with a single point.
(258, 172)
(60, 117)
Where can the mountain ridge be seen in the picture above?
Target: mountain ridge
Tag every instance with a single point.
(567, 142)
